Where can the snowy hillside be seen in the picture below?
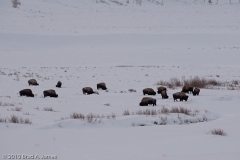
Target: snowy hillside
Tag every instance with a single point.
(128, 44)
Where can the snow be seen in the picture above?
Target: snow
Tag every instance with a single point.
(129, 46)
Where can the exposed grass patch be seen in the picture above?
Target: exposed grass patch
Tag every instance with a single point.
(117, 2)
(132, 90)
(163, 110)
(172, 83)
(92, 117)
(6, 104)
(18, 119)
(180, 110)
(219, 132)
(49, 109)
(147, 112)
(16, 109)
(76, 115)
(3, 120)
(198, 82)
(126, 113)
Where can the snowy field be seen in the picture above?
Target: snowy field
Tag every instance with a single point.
(128, 46)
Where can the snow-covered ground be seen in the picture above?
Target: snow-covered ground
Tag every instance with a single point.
(127, 46)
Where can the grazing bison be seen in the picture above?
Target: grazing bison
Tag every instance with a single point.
(187, 89)
(33, 82)
(180, 95)
(101, 86)
(196, 91)
(148, 100)
(26, 92)
(149, 91)
(59, 84)
(160, 89)
(89, 90)
(190, 89)
(164, 94)
(50, 93)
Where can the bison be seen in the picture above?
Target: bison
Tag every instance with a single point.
(187, 89)
(26, 92)
(89, 90)
(33, 82)
(164, 94)
(149, 91)
(160, 89)
(196, 91)
(59, 84)
(190, 89)
(50, 93)
(148, 100)
(180, 95)
(101, 86)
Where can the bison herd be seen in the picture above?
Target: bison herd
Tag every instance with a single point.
(52, 93)
(145, 101)
(163, 91)
(28, 92)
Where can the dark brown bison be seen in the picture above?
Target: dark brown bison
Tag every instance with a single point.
(187, 89)
(152, 101)
(160, 89)
(50, 93)
(89, 90)
(196, 91)
(33, 82)
(26, 92)
(164, 94)
(148, 100)
(101, 86)
(59, 84)
(180, 95)
(190, 89)
(149, 91)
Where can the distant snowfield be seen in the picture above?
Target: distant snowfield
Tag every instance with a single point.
(127, 46)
